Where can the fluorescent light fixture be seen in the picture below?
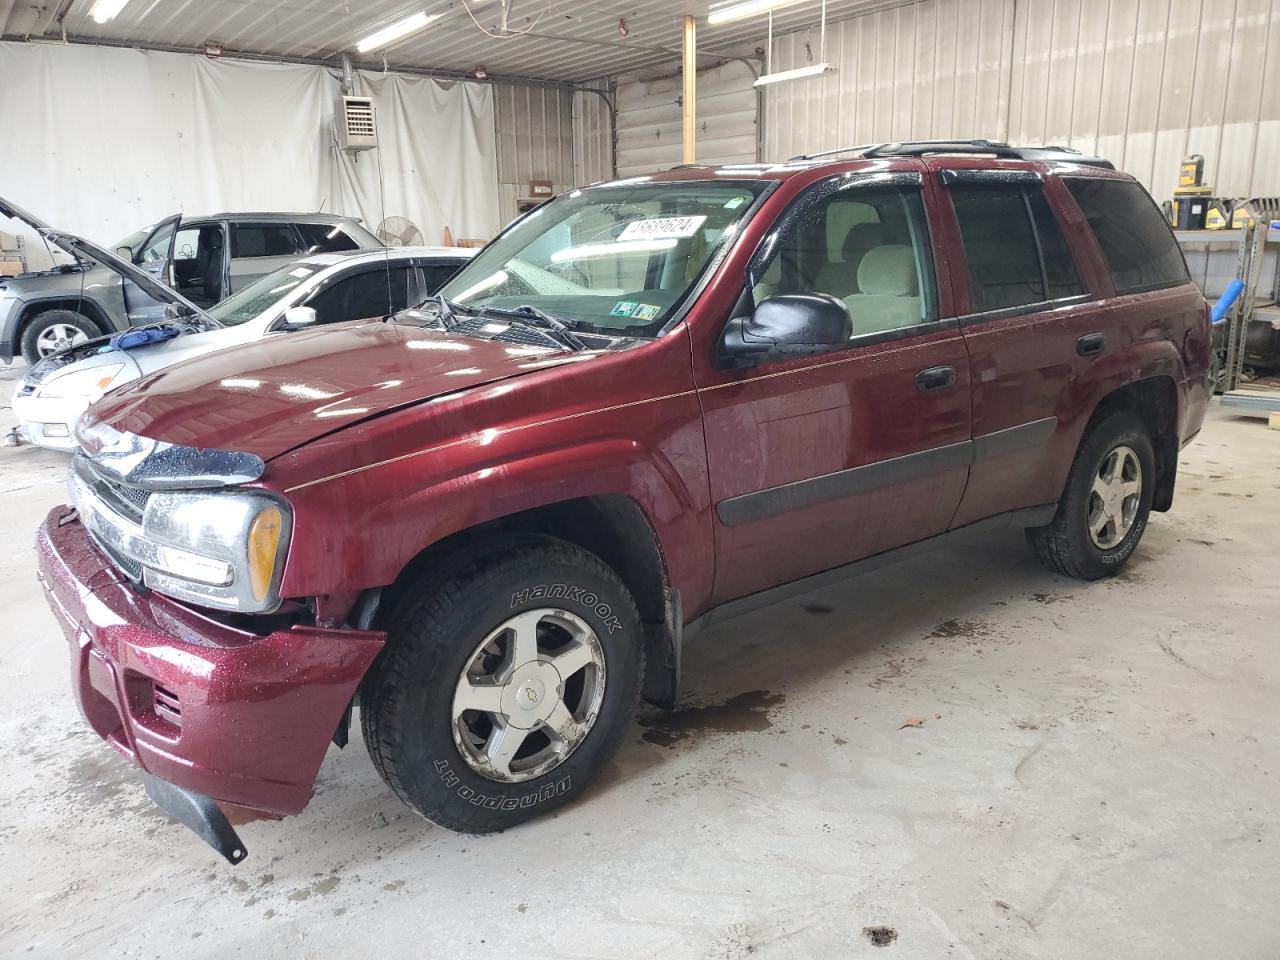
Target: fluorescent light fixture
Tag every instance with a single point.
(105, 10)
(748, 8)
(799, 73)
(397, 30)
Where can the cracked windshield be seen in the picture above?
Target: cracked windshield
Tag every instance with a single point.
(615, 260)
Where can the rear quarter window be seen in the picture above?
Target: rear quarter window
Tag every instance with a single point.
(1136, 240)
(323, 238)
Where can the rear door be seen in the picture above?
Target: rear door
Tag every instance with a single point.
(258, 248)
(817, 461)
(1031, 322)
(155, 257)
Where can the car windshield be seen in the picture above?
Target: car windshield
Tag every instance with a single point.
(618, 259)
(133, 240)
(262, 294)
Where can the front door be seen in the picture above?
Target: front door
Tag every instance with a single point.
(817, 461)
(154, 256)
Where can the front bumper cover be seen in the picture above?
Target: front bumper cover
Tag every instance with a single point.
(218, 712)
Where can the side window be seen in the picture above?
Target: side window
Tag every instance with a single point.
(999, 247)
(867, 245)
(157, 245)
(262, 240)
(1061, 277)
(1136, 241)
(186, 244)
(363, 295)
(435, 274)
(322, 238)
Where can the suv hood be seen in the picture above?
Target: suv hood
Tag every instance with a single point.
(274, 395)
(87, 252)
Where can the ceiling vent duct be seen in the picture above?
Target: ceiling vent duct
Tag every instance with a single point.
(356, 129)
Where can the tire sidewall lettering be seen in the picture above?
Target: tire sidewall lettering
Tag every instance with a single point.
(548, 791)
(565, 591)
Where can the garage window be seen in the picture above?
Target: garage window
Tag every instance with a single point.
(263, 240)
(1136, 241)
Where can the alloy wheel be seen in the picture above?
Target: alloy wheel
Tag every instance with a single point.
(528, 695)
(1114, 497)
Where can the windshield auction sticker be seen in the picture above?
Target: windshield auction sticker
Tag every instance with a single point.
(662, 228)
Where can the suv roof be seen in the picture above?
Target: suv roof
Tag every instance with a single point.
(849, 157)
(995, 148)
(275, 216)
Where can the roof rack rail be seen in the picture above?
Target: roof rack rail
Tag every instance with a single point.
(920, 148)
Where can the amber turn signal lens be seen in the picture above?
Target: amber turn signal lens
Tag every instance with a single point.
(264, 541)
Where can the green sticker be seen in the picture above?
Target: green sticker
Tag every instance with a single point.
(623, 308)
(645, 311)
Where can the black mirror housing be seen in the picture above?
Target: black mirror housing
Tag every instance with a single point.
(788, 325)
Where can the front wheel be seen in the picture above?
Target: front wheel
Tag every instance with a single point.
(1104, 509)
(506, 685)
(55, 330)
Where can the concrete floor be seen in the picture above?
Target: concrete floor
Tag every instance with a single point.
(1095, 776)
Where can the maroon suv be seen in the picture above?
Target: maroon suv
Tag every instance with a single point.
(647, 406)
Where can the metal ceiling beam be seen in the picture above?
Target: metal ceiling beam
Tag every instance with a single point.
(332, 63)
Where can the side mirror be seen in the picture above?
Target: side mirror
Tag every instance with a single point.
(298, 318)
(125, 253)
(788, 325)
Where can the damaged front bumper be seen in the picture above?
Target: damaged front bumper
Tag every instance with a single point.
(216, 713)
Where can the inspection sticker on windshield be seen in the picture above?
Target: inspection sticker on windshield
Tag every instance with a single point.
(623, 308)
(662, 228)
(645, 311)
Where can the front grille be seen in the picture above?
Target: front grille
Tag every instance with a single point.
(129, 502)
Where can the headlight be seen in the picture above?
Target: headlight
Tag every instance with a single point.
(224, 550)
(91, 383)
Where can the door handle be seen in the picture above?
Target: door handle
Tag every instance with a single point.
(935, 378)
(1091, 344)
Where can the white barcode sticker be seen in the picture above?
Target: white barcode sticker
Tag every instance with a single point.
(662, 228)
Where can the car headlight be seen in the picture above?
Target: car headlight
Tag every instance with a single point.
(92, 383)
(224, 550)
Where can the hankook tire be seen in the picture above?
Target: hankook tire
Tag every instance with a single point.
(506, 684)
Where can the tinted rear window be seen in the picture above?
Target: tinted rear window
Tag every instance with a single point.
(1136, 240)
(263, 240)
(322, 238)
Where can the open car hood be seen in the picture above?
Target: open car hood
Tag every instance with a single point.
(271, 396)
(85, 251)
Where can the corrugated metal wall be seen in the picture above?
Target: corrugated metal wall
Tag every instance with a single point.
(535, 140)
(938, 68)
(650, 123)
(592, 137)
(1140, 81)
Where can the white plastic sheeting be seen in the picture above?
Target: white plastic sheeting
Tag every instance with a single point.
(101, 141)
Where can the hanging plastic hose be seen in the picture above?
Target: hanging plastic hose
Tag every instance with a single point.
(1229, 296)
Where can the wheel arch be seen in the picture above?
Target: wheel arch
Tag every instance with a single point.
(1154, 400)
(613, 527)
(86, 306)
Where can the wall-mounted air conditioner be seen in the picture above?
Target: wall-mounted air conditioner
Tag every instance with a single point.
(354, 118)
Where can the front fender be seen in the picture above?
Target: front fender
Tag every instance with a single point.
(361, 530)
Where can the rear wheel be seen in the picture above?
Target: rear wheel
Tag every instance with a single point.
(1104, 509)
(55, 330)
(506, 685)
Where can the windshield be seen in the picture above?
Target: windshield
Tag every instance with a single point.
(263, 294)
(616, 259)
(134, 239)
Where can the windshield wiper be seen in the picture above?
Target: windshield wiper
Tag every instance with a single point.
(559, 330)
